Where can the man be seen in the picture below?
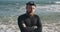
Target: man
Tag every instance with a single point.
(29, 22)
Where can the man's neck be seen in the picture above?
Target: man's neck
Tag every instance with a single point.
(31, 14)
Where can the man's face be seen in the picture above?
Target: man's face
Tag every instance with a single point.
(30, 9)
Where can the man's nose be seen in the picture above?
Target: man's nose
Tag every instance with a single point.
(31, 8)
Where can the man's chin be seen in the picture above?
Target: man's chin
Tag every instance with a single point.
(29, 12)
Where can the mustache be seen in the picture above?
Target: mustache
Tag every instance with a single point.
(29, 12)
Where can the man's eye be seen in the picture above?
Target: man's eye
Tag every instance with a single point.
(33, 8)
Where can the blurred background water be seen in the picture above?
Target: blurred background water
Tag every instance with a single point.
(48, 10)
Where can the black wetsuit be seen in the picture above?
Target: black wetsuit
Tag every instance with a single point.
(30, 21)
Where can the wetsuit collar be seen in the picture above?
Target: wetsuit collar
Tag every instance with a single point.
(29, 15)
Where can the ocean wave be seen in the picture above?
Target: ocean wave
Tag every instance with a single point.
(24, 2)
(58, 2)
(49, 8)
(9, 3)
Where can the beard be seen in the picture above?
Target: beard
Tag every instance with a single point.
(29, 12)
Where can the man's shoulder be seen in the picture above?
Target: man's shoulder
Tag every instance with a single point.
(21, 16)
(36, 15)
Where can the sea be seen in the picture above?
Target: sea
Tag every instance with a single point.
(48, 11)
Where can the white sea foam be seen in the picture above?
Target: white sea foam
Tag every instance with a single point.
(49, 8)
(46, 28)
(58, 2)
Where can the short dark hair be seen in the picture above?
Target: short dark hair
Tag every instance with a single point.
(31, 3)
